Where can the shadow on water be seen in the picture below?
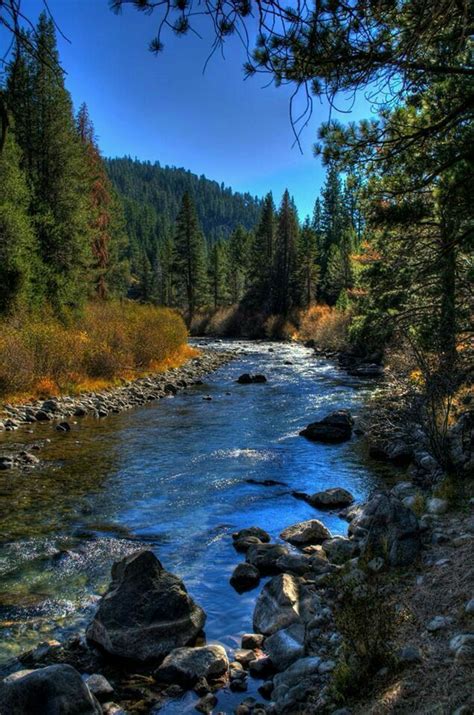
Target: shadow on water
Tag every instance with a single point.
(171, 476)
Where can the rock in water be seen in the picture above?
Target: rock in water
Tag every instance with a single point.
(278, 605)
(305, 533)
(336, 427)
(146, 612)
(56, 690)
(186, 665)
(331, 498)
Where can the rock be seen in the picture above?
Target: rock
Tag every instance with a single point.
(437, 506)
(54, 690)
(326, 666)
(460, 640)
(277, 605)
(266, 482)
(201, 687)
(244, 544)
(6, 463)
(247, 379)
(461, 441)
(265, 557)
(244, 656)
(469, 607)
(334, 428)
(437, 623)
(63, 427)
(80, 411)
(465, 654)
(206, 704)
(285, 646)
(259, 379)
(253, 531)
(305, 533)
(112, 709)
(331, 498)
(252, 640)
(186, 665)
(410, 654)
(340, 549)
(292, 686)
(99, 686)
(42, 416)
(261, 667)
(366, 370)
(388, 529)
(266, 689)
(245, 577)
(146, 612)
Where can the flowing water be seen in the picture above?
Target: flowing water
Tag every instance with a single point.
(171, 476)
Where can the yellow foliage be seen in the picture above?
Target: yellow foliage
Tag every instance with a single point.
(42, 356)
(326, 325)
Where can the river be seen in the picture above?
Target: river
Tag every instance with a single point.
(172, 476)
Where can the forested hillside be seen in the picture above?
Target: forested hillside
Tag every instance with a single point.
(151, 195)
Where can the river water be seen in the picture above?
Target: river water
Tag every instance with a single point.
(172, 476)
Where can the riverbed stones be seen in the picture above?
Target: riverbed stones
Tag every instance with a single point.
(265, 557)
(99, 686)
(285, 646)
(388, 529)
(293, 684)
(245, 577)
(146, 612)
(335, 427)
(244, 544)
(56, 689)
(340, 549)
(252, 640)
(277, 605)
(305, 533)
(333, 498)
(186, 665)
(247, 379)
(256, 531)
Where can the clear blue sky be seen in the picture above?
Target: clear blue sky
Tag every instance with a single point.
(164, 108)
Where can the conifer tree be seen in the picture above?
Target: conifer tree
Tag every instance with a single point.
(219, 274)
(56, 171)
(332, 219)
(263, 255)
(18, 256)
(286, 266)
(190, 262)
(308, 268)
(238, 259)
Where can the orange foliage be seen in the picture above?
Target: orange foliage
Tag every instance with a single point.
(326, 325)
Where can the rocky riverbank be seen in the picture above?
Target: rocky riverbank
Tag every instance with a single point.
(60, 412)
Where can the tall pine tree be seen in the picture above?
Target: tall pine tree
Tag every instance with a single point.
(286, 255)
(190, 260)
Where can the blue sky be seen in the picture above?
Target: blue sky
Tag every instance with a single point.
(164, 108)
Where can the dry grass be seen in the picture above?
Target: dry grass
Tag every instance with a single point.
(43, 357)
(327, 326)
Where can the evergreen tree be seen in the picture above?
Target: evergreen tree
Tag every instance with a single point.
(332, 220)
(57, 170)
(18, 259)
(166, 261)
(307, 257)
(286, 266)
(219, 274)
(238, 259)
(190, 263)
(263, 255)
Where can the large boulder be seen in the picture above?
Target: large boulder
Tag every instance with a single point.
(305, 533)
(277, 605)
(146, 612)
(331, 498)
(388, 529)
(286, 645)
(186, 665)
(245, 577)
(340, 549)
(336, 427)
(54, 690)
(293, 685)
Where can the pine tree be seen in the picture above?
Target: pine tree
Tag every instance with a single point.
(286, 266)
(56, 170)
(238, 259)
(308, 268)
(104, 216)
(18, 258)
(263, 255)
(219, 274)
(190, 263)
(332, 218)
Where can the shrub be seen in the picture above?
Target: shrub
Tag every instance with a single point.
(328, 327)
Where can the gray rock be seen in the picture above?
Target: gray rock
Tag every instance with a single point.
(245, 577)
(437, 506)
(340, 549)
(206, 704)
(54, 690)
(245, 543)
(438, 623)
(252, 640)
(277, 605)
(261, 534)
(99, 686)
(459, 640)
(42, 416)
(146, 612)
(6, 463)
(410, 654)
(469, 607)
(391, 530)
(285, 646)
(334, 428)
(244, 656)
(305, 533)
(291, 686)
(331, 498)
(265, 557)
(186, 665)
(461, 441)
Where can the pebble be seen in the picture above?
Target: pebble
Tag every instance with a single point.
(469, 607)
(438, 623)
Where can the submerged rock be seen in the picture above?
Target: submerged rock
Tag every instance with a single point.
(186, 666)
(336, 427)
(146, 612)
(247, 379)
(245, 577)
(54, 690)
